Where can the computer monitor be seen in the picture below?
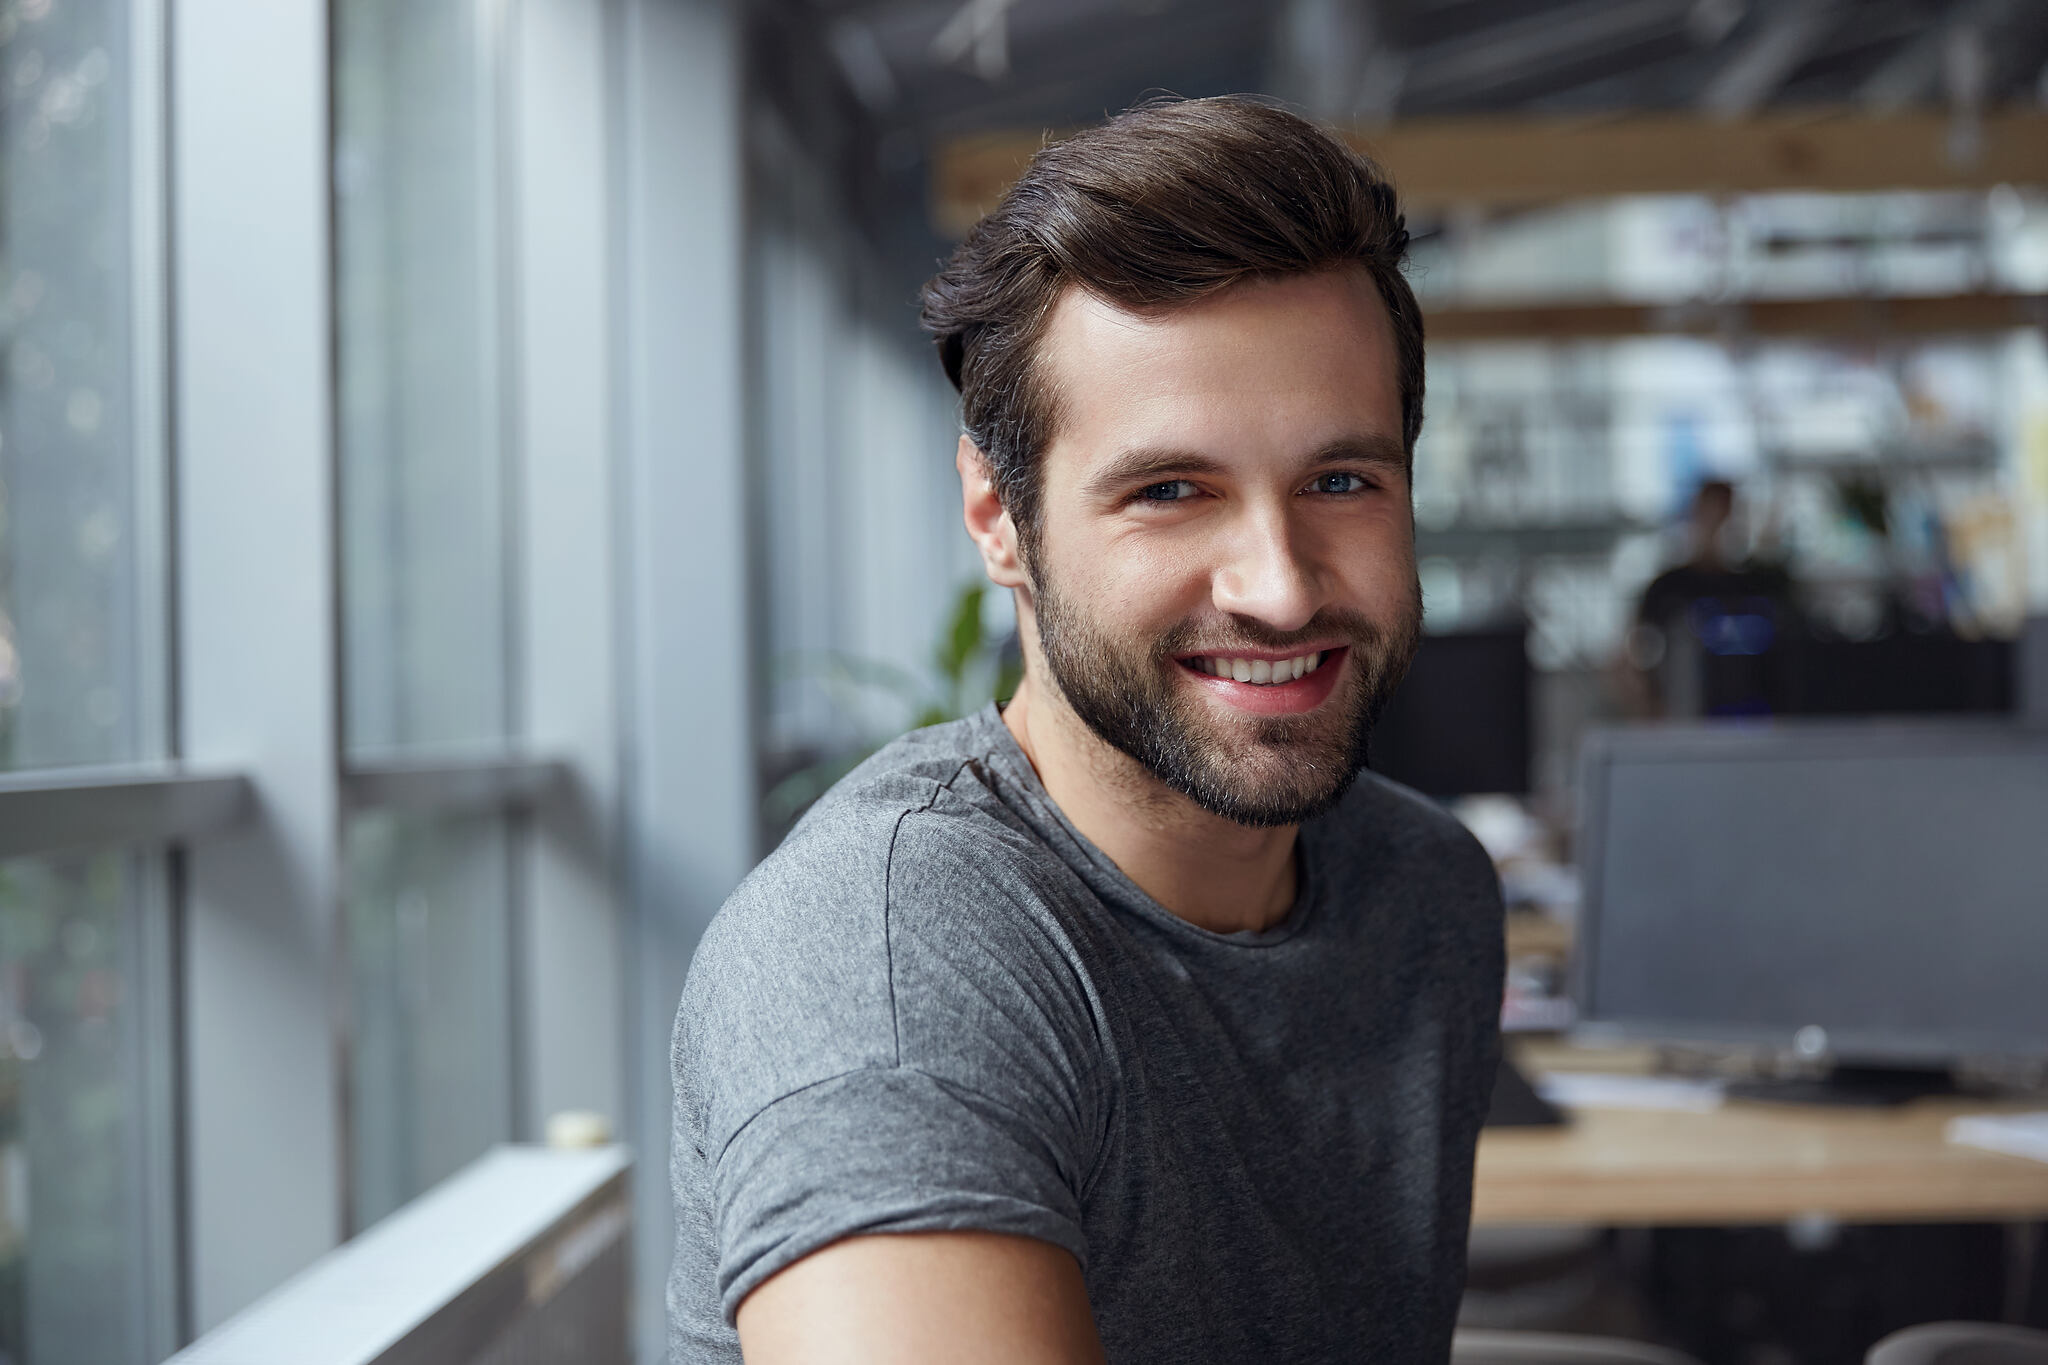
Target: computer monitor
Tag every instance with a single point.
(1900, 674)
(1459, 722)
(1875, 893)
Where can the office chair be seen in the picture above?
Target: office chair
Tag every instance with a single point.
(1961, 1343)
(1471, 1346)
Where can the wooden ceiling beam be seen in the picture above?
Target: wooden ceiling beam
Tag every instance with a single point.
(1871, 319)
(1440, 164)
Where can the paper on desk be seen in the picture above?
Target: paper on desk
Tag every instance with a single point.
(1610, 1090)
(2014, 1134)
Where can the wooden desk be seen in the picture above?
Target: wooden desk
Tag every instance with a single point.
(1753, 1163)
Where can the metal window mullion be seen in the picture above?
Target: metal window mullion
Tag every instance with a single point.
(560, 238)
(155, 1026)
(252, 432)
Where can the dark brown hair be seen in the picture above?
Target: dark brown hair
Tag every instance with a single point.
(1163, 205)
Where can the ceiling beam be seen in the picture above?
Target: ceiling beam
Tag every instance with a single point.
(1550, 38)
(1914, 72)
(1444, 163)
(1787, 37)
(1864, 318)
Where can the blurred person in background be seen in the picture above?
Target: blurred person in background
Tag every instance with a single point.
(1128, 1020)
(1705, 628)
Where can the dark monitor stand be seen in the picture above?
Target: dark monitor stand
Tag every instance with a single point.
(1515, 1103)
(1852, 1086)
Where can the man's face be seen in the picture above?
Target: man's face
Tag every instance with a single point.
(1223, 575)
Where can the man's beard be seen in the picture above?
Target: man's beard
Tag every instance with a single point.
(1287, 769)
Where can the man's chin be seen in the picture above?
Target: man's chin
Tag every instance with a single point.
(1259, 770)
(1265, 783)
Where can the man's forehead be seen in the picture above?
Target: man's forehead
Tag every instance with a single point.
(1265, 344)
(1082, 317)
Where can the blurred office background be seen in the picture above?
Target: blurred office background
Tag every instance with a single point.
(469, 472)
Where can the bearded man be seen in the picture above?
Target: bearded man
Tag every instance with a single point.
(1128, 1021)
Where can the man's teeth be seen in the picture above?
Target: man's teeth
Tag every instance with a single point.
(1264, 671)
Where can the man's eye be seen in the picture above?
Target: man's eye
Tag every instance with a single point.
(1173, 490)
(1341, 483)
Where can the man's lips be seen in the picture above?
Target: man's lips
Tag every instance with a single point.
(1275, 682)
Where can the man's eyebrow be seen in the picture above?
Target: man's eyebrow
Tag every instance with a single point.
(1147, 465)
(1379, 450)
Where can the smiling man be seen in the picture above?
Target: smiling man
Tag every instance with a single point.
(1130, 1021)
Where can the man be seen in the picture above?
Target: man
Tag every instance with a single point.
(1702, 642)
(1125, 1022)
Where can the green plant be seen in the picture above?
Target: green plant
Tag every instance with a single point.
(969, 669)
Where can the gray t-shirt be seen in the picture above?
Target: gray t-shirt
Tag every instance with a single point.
(938, 1007)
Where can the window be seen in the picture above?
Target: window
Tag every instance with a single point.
(80, 586)
(84, 1215)
(423, 474)
(431, 1041)
(87, 1247)
(427, 619)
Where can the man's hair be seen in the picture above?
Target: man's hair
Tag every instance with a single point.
(1714, 490)
(1165, 204)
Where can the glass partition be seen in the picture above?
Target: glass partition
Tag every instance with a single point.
(79, 679)
(88, 1252)
(426, 583)
(430, 1062)
(423, 469)
(85, 1243)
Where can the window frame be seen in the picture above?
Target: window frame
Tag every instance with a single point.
(633, 818)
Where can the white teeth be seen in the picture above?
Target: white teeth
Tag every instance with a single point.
(1262, 672)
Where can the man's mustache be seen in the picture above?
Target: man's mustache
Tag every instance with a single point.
(1349, 626)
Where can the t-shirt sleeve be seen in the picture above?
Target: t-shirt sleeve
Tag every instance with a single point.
(881, 1149)
(897, 1040)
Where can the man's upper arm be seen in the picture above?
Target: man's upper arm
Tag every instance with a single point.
(923, 1297)
(908, 1051)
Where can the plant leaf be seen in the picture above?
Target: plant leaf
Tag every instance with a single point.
(962, 640)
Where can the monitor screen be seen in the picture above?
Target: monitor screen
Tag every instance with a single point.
(1887, 883)
(1459, 722)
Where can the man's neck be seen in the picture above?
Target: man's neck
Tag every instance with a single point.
(1212, 872)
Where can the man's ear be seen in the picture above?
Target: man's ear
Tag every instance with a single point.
(988, 521)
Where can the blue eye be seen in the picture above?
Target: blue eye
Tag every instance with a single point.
(1340, 483)
(1173, 490)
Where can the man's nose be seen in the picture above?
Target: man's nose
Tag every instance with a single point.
(1267, 573)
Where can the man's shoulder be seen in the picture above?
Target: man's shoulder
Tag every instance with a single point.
(1426, 890)
(877, 923)
(1401, 813)
(1396, 831)
(932, 794)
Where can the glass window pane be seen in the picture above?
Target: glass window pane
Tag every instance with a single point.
(75, 590)
(423, 468)
(84, 1221)
(431, 970)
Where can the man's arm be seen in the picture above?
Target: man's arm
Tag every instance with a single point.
(923, 1297)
